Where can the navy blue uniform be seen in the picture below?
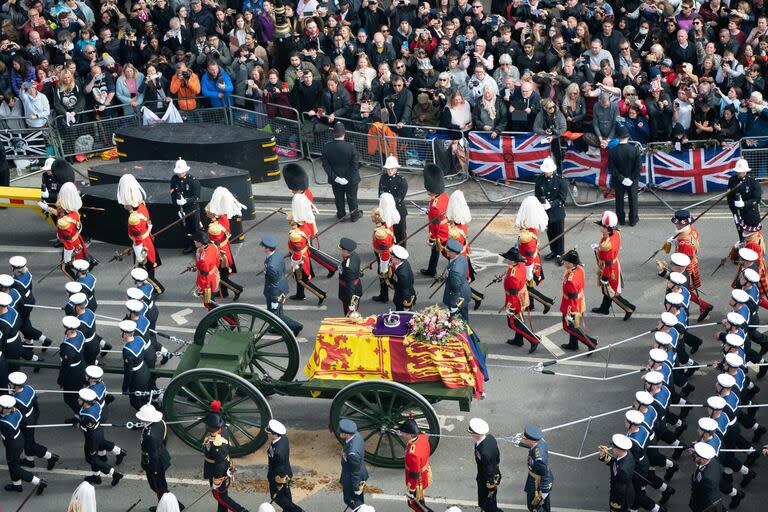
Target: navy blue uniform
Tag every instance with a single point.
(72, 370)
(540, 478)
(136, 376)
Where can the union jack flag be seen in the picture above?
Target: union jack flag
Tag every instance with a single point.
(592, 168)
(695, 171)
(507, 157)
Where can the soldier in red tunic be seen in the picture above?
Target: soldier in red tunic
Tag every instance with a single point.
(384, 217)
(609, 277)
(301, 264)
(207, 265)
(459, 217)
(68, 227)
(573, 305)
(418, 472)
(517, 301)
(438, 223)
(531, 219)
(131, 195)
(303, 214)
(298, 182)
(222, 207)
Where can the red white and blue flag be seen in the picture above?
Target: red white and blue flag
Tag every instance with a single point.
(695, 171)
(592, 167)
(507, 157)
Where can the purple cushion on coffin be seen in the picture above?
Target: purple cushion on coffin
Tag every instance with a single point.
(399, 330)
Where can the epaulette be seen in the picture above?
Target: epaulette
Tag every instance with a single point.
(63, 222)
(380, 233)
(605, 244)
(525, 236)
(219, 440)
(214, 228)
(455, 233)
(295, 235)
(134, 218)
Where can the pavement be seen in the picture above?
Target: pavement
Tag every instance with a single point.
(516, 395)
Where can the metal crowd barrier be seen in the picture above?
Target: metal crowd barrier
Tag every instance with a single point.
(755, 151)
(21, 141)
(279, 120)
(204, 113)
(93, 131)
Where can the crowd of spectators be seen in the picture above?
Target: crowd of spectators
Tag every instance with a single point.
(668, 69)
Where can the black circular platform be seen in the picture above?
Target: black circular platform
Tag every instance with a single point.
(111, 224)
(235, 146)
(211, 175)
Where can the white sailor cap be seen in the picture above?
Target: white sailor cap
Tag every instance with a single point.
(657, 355)
(87, 395)
(621, 442)
(478, 426)
(134, 293)
(94, 372)
(634, 417)
(674, 298)
(275, 427)
(734, 360)
(644, 397)
(267, 507)
(678, 278)
(134, 305)
(653, 377)
(5, 299)
(669, 319)
(17, 378)
(735, 319)
(127, 326)
(734, 340)
(707, 424)
(71, 322)
(81, 265)
(716, 403)
(726, 380)
(740, 296)
(747, 254)
(679, 259)
(78, 298)
(6, 281)
(751, 275)
(7, 402)
(139, 274)
(73, 287)
(662, 338)
(399, 252)
(704, 450)
(148, 414)
(18, 261)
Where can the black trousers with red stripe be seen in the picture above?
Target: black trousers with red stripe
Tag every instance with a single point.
(221, 495)
(577, 334)
(516, 323)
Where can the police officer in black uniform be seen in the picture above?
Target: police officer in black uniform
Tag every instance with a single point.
(625, 165)
(217, 464)
(487, 458)
(279, 472)
(155, 459)
(349, 275)
(401, 278)
(26, 403)
(394, 183)
(622, 464)
(551, 190)
(11, 427)
(744, 196)
(185, 192)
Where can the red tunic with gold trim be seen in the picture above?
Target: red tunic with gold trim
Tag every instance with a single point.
(438, 230)
(219, 233)
(298, 246)
(573, 292)
(515, 289)
(528, 245)
(688, 244)
(756, 242)
(309, 195)
(140, 231)
(207, 264)
(608, 260)
(68, 227)
(418, 472)
(383, 240)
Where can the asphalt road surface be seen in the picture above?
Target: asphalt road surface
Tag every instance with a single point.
(515, 394)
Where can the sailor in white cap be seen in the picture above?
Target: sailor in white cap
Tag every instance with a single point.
(72, 372)
(92, 343)
(401, 277)
(22, 281)
(621, 496)
(705, 483)
(653, 383)
(71, 287)
(185, 192)
(748, 280)
(10, 323)
(488, 459)
(96, 445)
(678, 262)
(279, 472)
(26, 403)
(88, 280)
(136, 375)
(94, 380)
(394, 183)
(11, 426)
(674, 303)
(155, 459)
(640, 437)
(134, 313)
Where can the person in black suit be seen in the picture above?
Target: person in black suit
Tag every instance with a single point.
(745, 195)
(705, 483)
(401, 278)
(279, 472)
(487, 458)
(349, 276)
(625, 166)
(394, 183)
(622, 464)
(551, 191)
(341, 165)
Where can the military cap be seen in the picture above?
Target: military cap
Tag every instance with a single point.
(680, 259)
(533, 432)
(5, 299)
(750, 275)
(734, 340)
(716, 403)
(662, 338)
(139, 274)
(657, 355)
(704, 450)
(73, 287)
(6, 281)
(127, 326)
(734, 360)
(78, 299)
(735, 319)
(707, 424)
(81, 265)
(634, 417)
(134, 305)
(275, 427)
(678, 278)
(644, 397)
(726, 380)
(268, 241)
(94, 372)
(399, 252)
(87, 395)
(668, 319)
(478, 426)
(572, 257)
(18, 261)
(7, 402)
(347, 426)
(653, 377)
(17, 378)
(409, 427)
(454, 245)
(621, 442)
(747, 254)
(213, 420)
(740, 296)
(70, 322)
(347, 244)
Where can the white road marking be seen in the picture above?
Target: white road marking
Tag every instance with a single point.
(467, 503)
(447, 421)
(572, 362)
(28, 249)
(178, 317)
(549, 344)
(127, 476)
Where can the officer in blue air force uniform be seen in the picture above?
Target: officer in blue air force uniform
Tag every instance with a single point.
(539, 482)
(275, 283)
(353, 471)
(26, 403)
(457, 292)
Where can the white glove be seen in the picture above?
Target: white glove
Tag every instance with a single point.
(181, 215)
(738, 203)
(529, 272)
(43, 205)
(139, 253)
(383, 266)
(454, 310)
(569, 319)
(544, 495)
(626, 182)
(678, 147)
(181, 201)
(44, 193)
(736, 219)
(67, 257)
(274, 305)
(547, 206)
(341, 181)
(351, 308)
(358, 493)
(295, 265)
(594, 247)
(738, 245)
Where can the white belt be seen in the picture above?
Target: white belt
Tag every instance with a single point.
(151, 305)
(15, 338)
(137, 368)
(26, 294)
(72, 365)
(91, 338)
(29, 413)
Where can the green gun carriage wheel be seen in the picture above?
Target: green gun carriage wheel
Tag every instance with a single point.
(378, 407)
(243, 407)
